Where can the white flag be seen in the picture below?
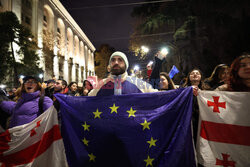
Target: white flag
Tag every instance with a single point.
(36, 144)
(224, 129)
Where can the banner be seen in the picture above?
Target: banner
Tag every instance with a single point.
(36, 144)
(224, 129)
(147, 129)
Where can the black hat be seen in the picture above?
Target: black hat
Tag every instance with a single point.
(51, 81)
(30, 77)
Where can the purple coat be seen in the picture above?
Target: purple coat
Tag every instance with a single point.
(26, 109)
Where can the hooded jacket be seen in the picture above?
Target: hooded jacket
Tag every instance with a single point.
(126, 85)
(26, 109)
(121, 84)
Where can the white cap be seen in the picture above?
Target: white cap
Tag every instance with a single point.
(122, 55)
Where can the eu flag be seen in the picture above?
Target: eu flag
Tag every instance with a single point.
(174, 70)
(137, 130)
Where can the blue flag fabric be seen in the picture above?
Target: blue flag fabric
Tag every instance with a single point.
(173, 71)
(147, 129)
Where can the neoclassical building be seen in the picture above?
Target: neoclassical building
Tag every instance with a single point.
(64, 49)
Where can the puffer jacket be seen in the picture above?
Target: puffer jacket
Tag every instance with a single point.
(26, 109)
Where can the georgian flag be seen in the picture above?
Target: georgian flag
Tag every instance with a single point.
(36, 144)
(224, 129)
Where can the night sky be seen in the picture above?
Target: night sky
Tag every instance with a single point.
(106, 25)
(110, 25)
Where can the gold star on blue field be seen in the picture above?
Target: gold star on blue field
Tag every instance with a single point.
(97, 114)
(152, 142)
(91, 157)
(145, 124)
(114, 108)
(86, 126)
(149, 161)
(131, 112)
(85, 141)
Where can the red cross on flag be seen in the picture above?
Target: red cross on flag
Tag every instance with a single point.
(36, 144)
(224, 129)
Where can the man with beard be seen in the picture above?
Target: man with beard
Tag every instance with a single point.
(60, 86)
(118, 81)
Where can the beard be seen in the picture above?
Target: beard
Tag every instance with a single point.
(57, 89)
(117, 71)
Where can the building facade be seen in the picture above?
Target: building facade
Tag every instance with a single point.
(65, 51)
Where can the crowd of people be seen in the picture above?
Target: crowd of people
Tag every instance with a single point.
(24, 104)
(32, 98)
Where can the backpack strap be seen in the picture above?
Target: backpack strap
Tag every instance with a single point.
(40, 104)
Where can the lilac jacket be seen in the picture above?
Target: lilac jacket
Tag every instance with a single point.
(26, 109)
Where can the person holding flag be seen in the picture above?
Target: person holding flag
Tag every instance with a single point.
(27, 107)
(223, 135)
(119, 82)
(239, 76)
(134, 128)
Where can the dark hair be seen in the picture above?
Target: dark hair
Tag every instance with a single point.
(84, 83)
(215, 74)
(235, 82)
(170, 81)
(71, 83)
(64, 82)
(188, 82)
(51, 81)
(213, 80)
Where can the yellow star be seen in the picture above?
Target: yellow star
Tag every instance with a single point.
(151, 142)
(114, 108)
(91, 157)
(131, 112)
(145, 124)
(86, 126)
(85, 141)
(97, 114)
(149, 161)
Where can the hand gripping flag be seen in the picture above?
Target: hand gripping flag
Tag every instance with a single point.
(148, 129)
(224, 129)
(36, 144)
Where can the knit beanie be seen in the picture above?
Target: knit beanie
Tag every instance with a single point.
(122, 55)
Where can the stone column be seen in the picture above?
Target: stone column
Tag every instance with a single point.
(93, 63)
(65, 70)
(34, 19)
(79, 74)
(61, 66)
(56, 66)
(84, 72)
(16, 7)
(73, 75)
(70, 64)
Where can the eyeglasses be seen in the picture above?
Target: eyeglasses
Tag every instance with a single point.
(244, 65)
(30, 82)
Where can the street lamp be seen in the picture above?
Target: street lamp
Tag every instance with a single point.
(2, 86)
(150, 63)
(136, 68)
(21, 76)
(144, 49)
(164, 51)
(41, 77)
